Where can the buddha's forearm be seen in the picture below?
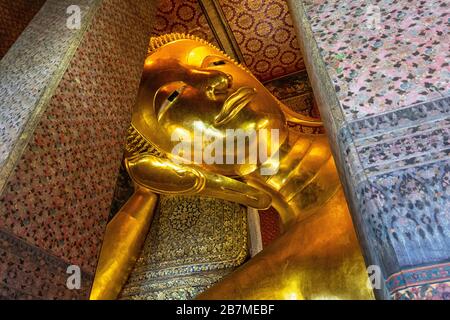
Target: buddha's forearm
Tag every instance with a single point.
(123, 240)
(166, 177)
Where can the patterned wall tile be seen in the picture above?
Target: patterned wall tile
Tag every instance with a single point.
(435, 291)
(182, 17)
(265, 35)
(29, 77)
(412, 278)
(399, 163)
(393, 154)
(409, 210)
(15, 16)
(403, 59)
(60, 192)
(28, 272)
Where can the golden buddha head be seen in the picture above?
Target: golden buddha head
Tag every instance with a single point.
(189, 85)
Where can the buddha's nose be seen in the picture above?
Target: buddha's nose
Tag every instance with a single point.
(223, 81)
(218, 87)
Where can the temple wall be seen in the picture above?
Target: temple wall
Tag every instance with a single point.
(380, 74)
(66, 98)
(15, 16)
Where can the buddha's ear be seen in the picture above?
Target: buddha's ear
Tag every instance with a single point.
(163, 176)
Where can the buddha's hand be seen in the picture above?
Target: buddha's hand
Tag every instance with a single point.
(298, 118)
(163, 176)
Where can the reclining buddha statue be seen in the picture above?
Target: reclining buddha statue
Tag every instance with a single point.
(199, 127)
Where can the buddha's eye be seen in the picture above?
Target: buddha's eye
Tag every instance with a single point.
(170, 101)
(173, 96)
(216, 63)
(213, 61)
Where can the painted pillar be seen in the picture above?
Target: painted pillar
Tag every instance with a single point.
(380, 72)
(66, 93)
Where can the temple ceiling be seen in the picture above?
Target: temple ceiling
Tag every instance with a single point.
(258, 33)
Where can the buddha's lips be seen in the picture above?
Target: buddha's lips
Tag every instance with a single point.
(234, 103)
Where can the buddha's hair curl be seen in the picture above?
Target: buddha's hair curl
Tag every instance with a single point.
(136, 144)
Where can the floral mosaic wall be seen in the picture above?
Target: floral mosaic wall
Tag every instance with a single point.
(14, 17)
(55, 204)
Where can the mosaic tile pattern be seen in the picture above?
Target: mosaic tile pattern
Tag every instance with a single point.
(399, 139)
(435, 291)
(378, 65)
(414, 277)
(265, 35)
(27, 84)
(59, 195)
(27, 272)
(182, 17)
(398, 165)
(382, 95)
(409, 211)
(15, 16)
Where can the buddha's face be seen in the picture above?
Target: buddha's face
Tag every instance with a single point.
(189, 87)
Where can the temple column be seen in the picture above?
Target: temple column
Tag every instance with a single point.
(380, 75)
(67, 87)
